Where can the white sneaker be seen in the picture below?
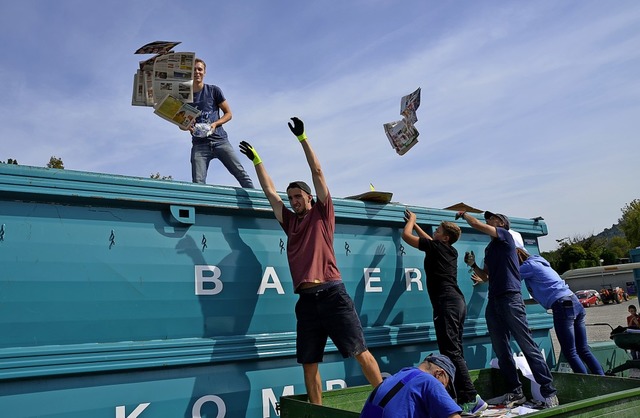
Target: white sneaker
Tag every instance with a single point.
(551, 401)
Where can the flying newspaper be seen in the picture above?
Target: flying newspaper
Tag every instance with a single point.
(403, 134)
(165, 82)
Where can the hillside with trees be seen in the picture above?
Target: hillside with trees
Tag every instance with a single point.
(611, 246)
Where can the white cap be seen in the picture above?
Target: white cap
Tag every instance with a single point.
(517, 238)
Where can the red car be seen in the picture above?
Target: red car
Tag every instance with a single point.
(587, 298)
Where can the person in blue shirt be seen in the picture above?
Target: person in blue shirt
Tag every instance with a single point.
(505, 314)
(209, 140)
(550, 291)
(416, 392)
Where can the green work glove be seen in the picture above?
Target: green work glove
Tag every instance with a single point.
(298, 129)
(250, 152)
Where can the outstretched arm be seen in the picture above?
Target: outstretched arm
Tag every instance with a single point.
(319, 182)
(409, 227)
(479, 275)
(477, 225)
(265, 180)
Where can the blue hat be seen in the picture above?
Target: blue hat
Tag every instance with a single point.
(500, 216)
(445, 364)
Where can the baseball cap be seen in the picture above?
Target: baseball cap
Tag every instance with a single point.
(517, 239)
(299, 185)
(445, 364)
(500, 216)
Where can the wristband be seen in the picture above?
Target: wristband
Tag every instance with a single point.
(302, 137)
(256, 158)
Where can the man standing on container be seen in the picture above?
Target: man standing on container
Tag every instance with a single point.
(324, 309)
(506, 315)
(208, 138)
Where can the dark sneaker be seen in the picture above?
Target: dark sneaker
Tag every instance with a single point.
(509, 400)
(473, 408)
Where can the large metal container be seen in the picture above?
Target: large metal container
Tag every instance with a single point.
(127, 297)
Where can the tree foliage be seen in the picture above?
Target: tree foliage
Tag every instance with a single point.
(55, 162)
(10, 161)
(630, 222)
(591, 251)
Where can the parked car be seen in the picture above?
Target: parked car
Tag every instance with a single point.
(588, 298)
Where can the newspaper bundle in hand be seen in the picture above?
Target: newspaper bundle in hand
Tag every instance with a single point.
(402, 134)
(166, 83)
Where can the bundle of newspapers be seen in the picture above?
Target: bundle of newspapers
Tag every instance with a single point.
(165, 82)
(403, 134)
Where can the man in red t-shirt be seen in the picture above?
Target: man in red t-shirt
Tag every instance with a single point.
(324, 309)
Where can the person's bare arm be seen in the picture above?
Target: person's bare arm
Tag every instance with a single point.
(265, 180)
(480, 275)
(407, 232)
(226, 115)
(317, 175)
(477, 225)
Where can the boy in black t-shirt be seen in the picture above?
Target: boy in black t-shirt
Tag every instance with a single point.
(449, 306)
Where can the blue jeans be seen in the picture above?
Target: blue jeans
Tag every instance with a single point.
(568, 321)
(506, 317)
(202, 154)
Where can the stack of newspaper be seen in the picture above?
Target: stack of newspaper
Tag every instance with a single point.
(403, 134)
(166, 83)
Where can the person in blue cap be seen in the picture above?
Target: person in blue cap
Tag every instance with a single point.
(424, 391)
(505, 314)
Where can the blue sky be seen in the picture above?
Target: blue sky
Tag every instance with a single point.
(528, 108)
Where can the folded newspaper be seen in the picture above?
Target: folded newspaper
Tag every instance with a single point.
(176, 112)
(402, 134)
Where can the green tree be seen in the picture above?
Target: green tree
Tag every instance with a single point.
(55, 162)
(10, 161)
(619, 246)
(571, 257)
(630, 222)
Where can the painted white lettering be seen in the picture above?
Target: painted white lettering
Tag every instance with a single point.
(122, 413)
(210, 275)
(339, 383)
(369, 279)
(270, 272)
(269, 400)
(197, 407)
(413, 275)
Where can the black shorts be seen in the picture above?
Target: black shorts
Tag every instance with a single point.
(327, 312)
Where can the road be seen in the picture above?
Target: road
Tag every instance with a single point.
(612, 314)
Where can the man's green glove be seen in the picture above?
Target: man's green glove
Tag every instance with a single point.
(250, 152)
(298, 129)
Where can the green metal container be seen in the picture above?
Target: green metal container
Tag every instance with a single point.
(579, 395)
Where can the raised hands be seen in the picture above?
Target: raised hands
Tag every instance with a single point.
(250, 152)
(297, 128)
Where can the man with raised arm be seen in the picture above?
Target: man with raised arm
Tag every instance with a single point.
(324, 309)
(505, 314)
